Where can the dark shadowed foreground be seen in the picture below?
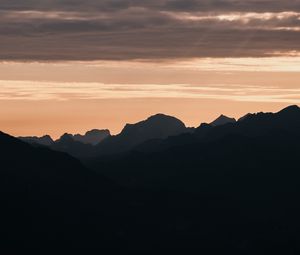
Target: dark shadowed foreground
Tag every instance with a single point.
(225, 189)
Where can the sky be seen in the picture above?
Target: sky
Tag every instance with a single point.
(74, 65)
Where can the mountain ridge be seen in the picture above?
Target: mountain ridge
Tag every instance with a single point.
(160, 129)
(222, 120)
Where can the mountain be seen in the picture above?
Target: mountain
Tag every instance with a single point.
(222, 120)
(75, 145)
(100, 142)
(158, 126)
(93, 137)
(49, 201)
(44, 140)
(67, 143)
(80, 145)
(229, 189)
(244, 117)
(285, 121)
(160, 131)
(234, 190)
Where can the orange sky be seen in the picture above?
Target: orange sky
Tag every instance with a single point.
(55, 118)
(71, 65)
(53, 98)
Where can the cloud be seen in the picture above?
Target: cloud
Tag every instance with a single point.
(148, 30)
(39, 91)
(171, 5)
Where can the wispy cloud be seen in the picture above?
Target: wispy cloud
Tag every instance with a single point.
(32, 90)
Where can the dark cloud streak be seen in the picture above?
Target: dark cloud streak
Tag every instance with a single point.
(142, 29)
(170, 5)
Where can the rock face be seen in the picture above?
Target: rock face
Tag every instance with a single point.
(222, 120)
(93, 137)
(44, 140)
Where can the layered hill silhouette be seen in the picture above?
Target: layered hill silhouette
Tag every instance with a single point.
(282, 127)
(159, 126)
(43, 140)
(230, 188)
(284, 122)
(49, 200)
(161, 131)
(93, 137)
(241, 180)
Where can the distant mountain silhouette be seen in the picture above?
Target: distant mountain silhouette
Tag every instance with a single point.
(284, 121)
(252, 125)
(159, 126)
(100, 142)
(75, 145)
(159, 132)
(67, 143)
(156, 126)
(93, 137)
(222, 120)
(44, 140)
(232, 189)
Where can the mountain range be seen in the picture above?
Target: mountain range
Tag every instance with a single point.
(158, 187)
(92, 137)
(101, 142)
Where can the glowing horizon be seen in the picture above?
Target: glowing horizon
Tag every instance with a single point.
(70, 65)
(41, 98)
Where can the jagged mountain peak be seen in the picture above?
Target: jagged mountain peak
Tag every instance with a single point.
(97, 131)
(156, 122)
(45, 140)
(222, 120)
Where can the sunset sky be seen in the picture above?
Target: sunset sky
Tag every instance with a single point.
(74, 65)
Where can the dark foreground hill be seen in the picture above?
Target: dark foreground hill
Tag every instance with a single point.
(51, 204)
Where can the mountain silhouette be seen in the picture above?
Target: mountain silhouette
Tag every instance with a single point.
(93, 137)
(75, 145)
(48, 199)
(44, 140)
(225, 189)
(158, 126)
(159, 132)
(233, 190)
(222, 120)
(67, 143)
(284, 121)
